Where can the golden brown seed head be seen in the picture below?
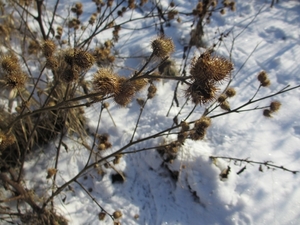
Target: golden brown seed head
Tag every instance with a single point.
(201, 92)
(162, 47)
(275, 106)
(207, 67)
(117, 214)
(105, 82)
(16, 80)
(10, 63)
(266, 83)
(140, 101)
(51, 63)
(262, 76)
(230, 92)
(203, 122)
(81, 58)
(102, 215)
(151, 91)
(184, 126)
(222, 98)
(6, 140)
(139, 84)
(127, 91)
(51, 172)
(48, 48)
(225, 105)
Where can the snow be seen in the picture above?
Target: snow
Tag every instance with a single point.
(268, 40)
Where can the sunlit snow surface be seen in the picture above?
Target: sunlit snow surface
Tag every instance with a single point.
(150, 195)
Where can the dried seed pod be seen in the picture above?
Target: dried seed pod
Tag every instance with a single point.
(203, 122)
(222, 98)
(266, 83)
(207, 67)
(162, 47)
(16, 80)
(117, 214)
(225, 105)
(101, 215)
(262, 76)
(267, 113)
(10, 63)
(51, 63)
(127, 91)
(230, 92)
(140, 101)
(275, 106)
(151, 91)
(51, 172)
(70, 75)
(48, 48)
(81, 58)
(201, 93)
(139, 84)
(184, 126)
(6, 140)
(105, 82)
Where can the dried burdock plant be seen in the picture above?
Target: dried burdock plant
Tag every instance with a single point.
(105, 82)
(207, 67)
(48, 48)
(201, 93)
(275, 106)
(263, 79)
(16, 80)
(162, 47)
(207, 71)
(126, 92)
(10, 63)
(82, 59)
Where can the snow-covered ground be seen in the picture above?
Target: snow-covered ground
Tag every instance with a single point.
(261, 38)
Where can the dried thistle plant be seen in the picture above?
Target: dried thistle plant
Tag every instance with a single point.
(206, 72)
(105, 82)
(162, 47)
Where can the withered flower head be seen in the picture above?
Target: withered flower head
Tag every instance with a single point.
(207, 67)
(10, 63)
(48, 48)
(201, 92)
(162, 47)
(230, 92)
(275, 106)
(16, 79)
(79, 57)
(105, 82)
(126, 92)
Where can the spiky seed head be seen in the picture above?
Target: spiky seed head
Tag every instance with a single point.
(151, 91)
(105, 82)
(198, 134)
(127, 91)
(81, 58)
(117, 214)
(262, 76)
(275, 106)
(222, 98)
(225, 105)
(105, 105)
(207, 67)
(184, 126)
(267, 113)
(266, 83)
(48, 48)
(51, 63)
(230, 92)
(6, 140)
(10, 63)
(101, 215)
(201, 92)
(182, 136)
(101, 147)
(51, 172)
(70, 74)
(203, 122)
(162, 47)
(140, 101)
(222, 11)
(16, 80)
(139, 84)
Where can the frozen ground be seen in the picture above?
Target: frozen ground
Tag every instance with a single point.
(150, 195)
